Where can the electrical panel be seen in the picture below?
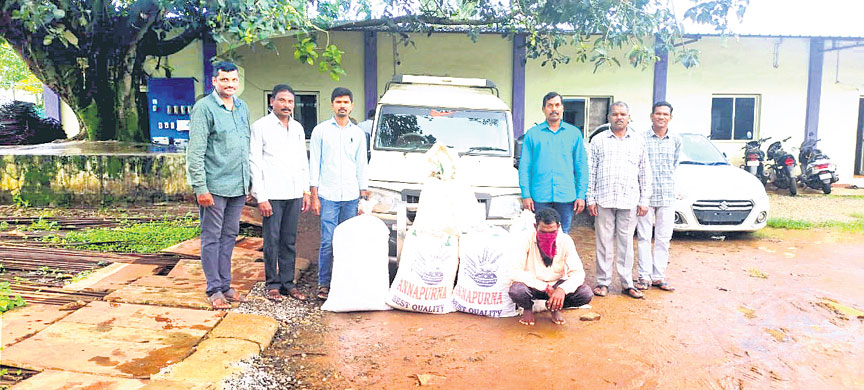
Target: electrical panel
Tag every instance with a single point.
(170, 104)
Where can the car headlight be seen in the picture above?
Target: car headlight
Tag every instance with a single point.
(385, 200)
(505, 206)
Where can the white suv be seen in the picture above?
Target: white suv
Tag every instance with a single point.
(467, 115)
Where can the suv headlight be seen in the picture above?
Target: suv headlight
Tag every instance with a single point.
(505, 206)
(385, 200)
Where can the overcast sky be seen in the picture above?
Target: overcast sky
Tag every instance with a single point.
(796, 17)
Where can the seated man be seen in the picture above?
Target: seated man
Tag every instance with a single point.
(549, 268)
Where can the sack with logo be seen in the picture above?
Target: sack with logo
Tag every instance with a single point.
(361, 277)
(484, 274)
(427, 270)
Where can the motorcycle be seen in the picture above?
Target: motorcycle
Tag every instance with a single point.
(817, 171)
(780, 170)
(754, 159)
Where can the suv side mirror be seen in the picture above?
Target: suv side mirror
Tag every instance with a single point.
(517, 150)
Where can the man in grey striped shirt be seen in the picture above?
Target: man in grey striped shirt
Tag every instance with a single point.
(664, 150)
(619, 186)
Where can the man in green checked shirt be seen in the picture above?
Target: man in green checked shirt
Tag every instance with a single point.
(217, 165)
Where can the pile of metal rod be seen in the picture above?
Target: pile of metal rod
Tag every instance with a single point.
(31, 271)
(72, 223)
(38, 293)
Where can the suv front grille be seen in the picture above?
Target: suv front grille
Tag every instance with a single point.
(722, 212)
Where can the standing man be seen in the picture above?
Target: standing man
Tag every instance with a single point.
(337, 161)
(619, 186)
(553, 168)
(280, 183)
(217, 165)
(549, 268)
(664, 150)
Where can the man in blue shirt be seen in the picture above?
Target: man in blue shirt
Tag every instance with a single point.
(337, 170)
(553, 168)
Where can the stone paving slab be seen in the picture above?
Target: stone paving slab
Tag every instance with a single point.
(145, 316)
(129, 341)
(252, 243)
(164, 296)
(23, 322)
(243, 273)
(252, 216)
(172, 282)
(214, 360)
(113, 277)
(63, 380)
(250, 327)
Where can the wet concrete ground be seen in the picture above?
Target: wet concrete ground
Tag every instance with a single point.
(750, 312)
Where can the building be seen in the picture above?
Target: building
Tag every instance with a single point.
(746, 87)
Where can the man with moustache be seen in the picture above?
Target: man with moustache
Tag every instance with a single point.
(548, 268)
(619, 187)
(664, 150)
(337, 166)
(217, 166)
(280, 183)
(553, 167)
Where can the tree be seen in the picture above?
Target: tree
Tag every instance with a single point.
(92, 52)
(14, 74)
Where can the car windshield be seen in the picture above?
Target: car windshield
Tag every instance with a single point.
(698, 150)
(413, 129)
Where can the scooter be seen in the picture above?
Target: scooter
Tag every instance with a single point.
(754, 159)
(817, 171)
(780, 170)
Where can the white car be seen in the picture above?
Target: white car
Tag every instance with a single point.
(712, 194)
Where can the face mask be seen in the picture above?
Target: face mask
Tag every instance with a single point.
(546, 243)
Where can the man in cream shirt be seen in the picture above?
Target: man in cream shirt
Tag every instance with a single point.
(280, 183)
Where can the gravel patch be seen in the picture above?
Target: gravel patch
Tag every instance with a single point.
(279, 366)
(816, 207)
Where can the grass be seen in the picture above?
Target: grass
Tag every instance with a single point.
(856, 226)
(145, 237)
(8, 299)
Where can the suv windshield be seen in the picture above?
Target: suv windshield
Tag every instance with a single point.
(407, 128)
(696, 149)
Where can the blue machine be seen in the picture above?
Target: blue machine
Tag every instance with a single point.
(171, 103)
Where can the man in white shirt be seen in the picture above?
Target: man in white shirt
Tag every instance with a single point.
(619, 187)
(337, 166)
(280, 183)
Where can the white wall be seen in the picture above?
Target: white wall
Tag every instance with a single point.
(838, 117)
(744, 66)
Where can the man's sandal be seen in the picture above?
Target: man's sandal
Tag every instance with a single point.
(641, 284)
(663, 286)
(323, 292)
(296, 294)
(218, 302)
(274, 295)
(634, 293)
(233, 296)
(601, 291)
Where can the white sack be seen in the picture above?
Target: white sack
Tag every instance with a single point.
(427, 269)
(361, 276)
(485, 263)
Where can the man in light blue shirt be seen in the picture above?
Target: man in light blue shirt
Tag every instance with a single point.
(553, 168)
(337, 169)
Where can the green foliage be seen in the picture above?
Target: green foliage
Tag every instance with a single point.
(144, 237)
(8, 299)
(14, 73)
(41, 225)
